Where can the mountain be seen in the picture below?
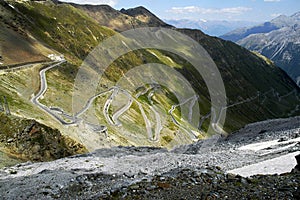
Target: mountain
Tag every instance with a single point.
(278, 40)
(282, 46)
(210, 27)
(255, 88)
(121, 20)
(109, 17)
(275, 24)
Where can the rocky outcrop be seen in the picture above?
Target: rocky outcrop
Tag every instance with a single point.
(297, 167)
(30, 140)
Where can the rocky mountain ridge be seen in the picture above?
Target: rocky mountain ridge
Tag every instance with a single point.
(275, 24)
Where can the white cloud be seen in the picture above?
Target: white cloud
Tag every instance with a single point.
(196, 9)
(275, 15)
(93, 2)
(272, 0)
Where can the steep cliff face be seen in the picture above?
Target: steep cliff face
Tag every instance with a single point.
(282, 46)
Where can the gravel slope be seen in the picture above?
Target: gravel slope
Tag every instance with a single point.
(106, 171)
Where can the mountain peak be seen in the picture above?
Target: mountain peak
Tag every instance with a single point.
(140, 10)
(144, 15)
(280, 17)
(296, 16)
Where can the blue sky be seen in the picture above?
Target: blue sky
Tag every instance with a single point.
(241, 10)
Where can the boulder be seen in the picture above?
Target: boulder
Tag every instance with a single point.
(297, 167)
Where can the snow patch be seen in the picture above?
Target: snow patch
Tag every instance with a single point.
(279, 165)
(263, 145)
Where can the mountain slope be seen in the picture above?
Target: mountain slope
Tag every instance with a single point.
(256, 90)
(243, 71)
(17, 46)
(278, 40)
(282, 49)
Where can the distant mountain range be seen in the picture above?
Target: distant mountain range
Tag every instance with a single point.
(211, 27)
(279, 40)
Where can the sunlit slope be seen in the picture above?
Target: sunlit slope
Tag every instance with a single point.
(62, 27)
(16, 45)
(72, 41)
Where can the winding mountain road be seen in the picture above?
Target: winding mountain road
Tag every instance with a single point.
(115, 117)
(44, 85)
(107, 105)
(113, 120)
(90, 101)
(158, 126)
(42, 91)
(57, 113)
(190, 114)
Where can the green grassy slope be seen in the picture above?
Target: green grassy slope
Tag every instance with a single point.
(64, 28)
